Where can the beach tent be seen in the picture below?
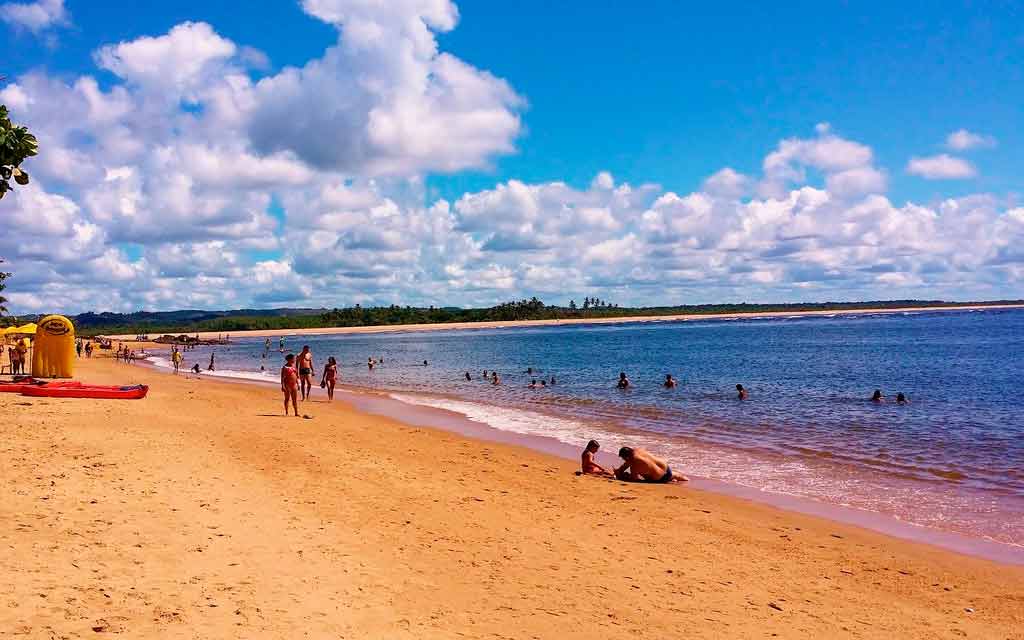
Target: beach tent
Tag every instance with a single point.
(24, 330)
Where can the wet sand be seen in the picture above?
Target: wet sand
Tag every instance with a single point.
(202, 512)
(452, 326)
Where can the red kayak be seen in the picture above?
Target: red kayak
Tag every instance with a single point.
(132, 392)
(19, 386)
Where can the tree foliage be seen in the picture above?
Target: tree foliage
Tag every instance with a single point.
(16, 144)
(3, 276)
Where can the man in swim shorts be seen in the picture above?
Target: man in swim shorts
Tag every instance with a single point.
(306, 371)
(641, 466)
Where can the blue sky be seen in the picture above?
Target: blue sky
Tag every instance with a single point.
(667, 96)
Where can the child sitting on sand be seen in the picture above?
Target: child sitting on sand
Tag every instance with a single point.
(588, 466)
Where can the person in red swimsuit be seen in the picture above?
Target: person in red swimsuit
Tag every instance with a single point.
(330, 377)
(290, 384)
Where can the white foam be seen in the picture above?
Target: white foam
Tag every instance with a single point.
(258, 376)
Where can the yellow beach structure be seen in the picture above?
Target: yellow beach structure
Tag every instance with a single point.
(53, 353)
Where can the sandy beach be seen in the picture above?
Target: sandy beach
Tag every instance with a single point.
(452, 326)
(201, 512)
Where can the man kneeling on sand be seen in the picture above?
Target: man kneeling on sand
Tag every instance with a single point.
(641, 466)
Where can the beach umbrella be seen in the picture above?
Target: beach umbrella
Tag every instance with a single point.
(24, 330)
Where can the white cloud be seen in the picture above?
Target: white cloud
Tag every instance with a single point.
(385, 100)
(728, 183)
(187, 181)
(962, 140)
(941, 167)
(184, 59)
(35, 16)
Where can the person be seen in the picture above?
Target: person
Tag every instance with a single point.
(21, 348)
(495, 380)
(639, 465)
(211, 367)
(877, 396)
(623, 381)
(544, 383)
(176, 360)
(369, 363)
(552, 380)
(290, 384)
(330, 377)
(901, 398)
(670, 382)
(306, 371)
(587, 464)
(741, 393)
(280, 345)
(195, 368)
(88, 349)
(533, 384)
(529, 370)
(425, 363)
(485, 374)
(468, 377)
(78, 348)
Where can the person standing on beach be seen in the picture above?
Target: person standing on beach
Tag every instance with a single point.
(210, 367)
(176, 360)
(306, 371)
(330, 377)
(290, 384)
(78, 348)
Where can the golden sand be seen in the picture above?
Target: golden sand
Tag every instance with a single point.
(200, 512)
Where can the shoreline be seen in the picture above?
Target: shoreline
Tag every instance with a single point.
(459, 326)
(200, 510)
(385, 403)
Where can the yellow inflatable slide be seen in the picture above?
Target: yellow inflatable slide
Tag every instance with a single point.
(53, 354)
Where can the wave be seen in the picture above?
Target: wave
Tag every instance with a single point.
(257, 376)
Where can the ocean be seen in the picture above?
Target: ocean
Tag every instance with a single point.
(952, 459)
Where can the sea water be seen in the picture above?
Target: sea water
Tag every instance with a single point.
(952, 459)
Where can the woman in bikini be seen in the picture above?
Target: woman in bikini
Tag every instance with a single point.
(330, 377)
(290, 384)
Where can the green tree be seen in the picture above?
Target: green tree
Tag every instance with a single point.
(16, 144)
(3, 276)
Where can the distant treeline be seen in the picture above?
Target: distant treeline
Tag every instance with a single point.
(177, 322)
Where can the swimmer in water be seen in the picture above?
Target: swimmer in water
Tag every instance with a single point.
(623, 382)
(533, 384)
(877, 396)
(670, 382)
(901, 399)
(741, 393)
(468, 377)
